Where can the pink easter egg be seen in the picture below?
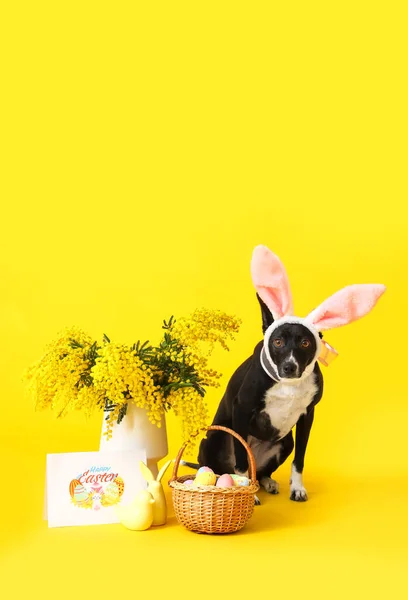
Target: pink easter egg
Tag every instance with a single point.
(188, 482)
(225, 481)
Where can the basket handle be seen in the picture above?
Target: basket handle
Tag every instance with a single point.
(251, 459)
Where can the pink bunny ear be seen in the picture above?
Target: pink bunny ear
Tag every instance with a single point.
(271, 282)
(347, 305)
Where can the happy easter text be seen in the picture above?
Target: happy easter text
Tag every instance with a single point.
(94, 475)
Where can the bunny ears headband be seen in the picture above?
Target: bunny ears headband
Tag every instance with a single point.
(272, 284)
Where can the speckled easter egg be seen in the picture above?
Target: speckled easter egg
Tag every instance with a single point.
(121, 485)
(80, 494)
(225, 481)
(74, 483)
(204, 470)
(240, 480)
(205, 478)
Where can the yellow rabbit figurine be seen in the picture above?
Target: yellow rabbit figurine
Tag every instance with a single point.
(155, 487)
(138, 515)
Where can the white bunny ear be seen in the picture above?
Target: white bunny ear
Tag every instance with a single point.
(347, 305)
(163, 470)
(146, 472)
(271, 282)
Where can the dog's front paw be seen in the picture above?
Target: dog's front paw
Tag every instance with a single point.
(269, 485)
(298, 493)
(257, 501)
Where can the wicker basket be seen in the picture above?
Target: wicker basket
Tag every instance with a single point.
(208, 509)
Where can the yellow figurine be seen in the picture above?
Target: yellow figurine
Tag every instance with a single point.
(155, 487)
(138, 515)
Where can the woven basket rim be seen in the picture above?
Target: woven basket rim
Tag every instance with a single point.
(252, 488)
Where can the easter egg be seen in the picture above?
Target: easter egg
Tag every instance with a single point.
(204, 470)
(225, 481)
(80, 494)
(240, 480)
(205, 478)
(188, 482)
(74, 483)
(121, 485)
(111, 494)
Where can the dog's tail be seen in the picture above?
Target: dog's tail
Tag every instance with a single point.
(190, 464)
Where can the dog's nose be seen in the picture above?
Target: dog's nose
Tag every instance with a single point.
(289, 368)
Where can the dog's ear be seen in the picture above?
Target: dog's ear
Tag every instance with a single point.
(267, 318)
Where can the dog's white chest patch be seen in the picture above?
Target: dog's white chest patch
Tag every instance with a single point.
(285, 403)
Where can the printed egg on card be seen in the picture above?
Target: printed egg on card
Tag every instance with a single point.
(112, 492)
(121, 485)
(80, 494)
(74, 484)
(225, 481)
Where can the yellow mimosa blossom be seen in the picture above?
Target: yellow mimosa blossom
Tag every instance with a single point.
(57, 379)
(77, 373)
(206, 326)
(121, 376)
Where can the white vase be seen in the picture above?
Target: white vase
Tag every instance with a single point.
(136, 432)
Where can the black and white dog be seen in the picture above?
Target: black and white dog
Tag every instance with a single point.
(263, 401)
(279, 386)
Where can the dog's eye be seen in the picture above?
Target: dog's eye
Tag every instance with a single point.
(278, 343)
(305, 344)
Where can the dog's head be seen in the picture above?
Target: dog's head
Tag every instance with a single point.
(292, 344)
(292, 348)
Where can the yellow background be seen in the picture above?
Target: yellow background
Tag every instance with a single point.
(147, 147)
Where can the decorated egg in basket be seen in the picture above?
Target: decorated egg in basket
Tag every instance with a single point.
(205, 478)
(225, 481)
(240, 480)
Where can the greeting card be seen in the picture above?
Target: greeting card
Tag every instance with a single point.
(82, 488)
